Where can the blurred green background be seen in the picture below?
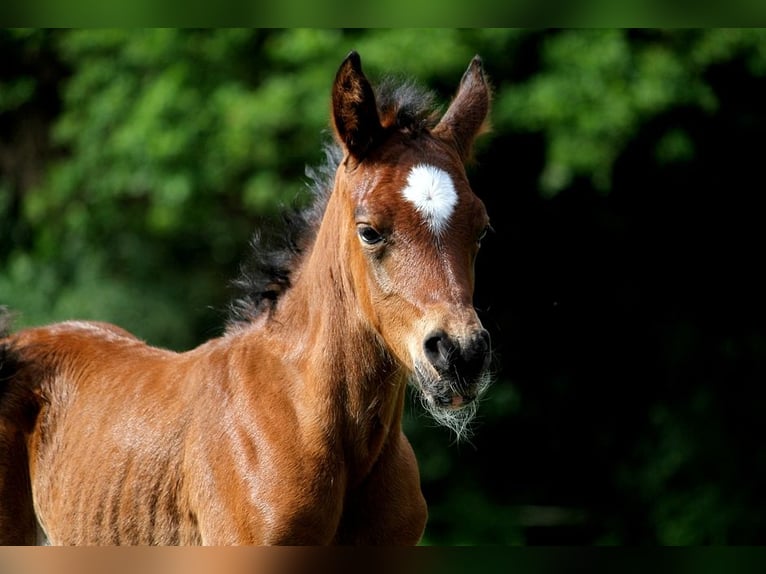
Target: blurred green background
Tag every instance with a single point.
(623, 286)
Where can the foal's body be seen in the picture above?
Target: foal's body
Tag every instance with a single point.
(220, 446)
(286, 429)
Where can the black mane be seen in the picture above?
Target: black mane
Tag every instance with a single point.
(274, 251)
(402, 106)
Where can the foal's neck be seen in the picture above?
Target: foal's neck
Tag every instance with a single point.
(351, 376)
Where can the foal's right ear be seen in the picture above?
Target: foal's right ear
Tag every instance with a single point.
(355, 113)
(466, 116)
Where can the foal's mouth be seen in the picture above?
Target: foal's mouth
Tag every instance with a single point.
(453, 401)
(452, 370)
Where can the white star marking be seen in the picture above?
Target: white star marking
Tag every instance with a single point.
(433, 194)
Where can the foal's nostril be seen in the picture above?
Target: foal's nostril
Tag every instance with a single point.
(439, 349)
(480, 344)
(467, 361)
(475, 353)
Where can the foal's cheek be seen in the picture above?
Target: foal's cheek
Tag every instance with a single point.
(386, 310)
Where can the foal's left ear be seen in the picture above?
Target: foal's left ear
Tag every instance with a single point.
(355, 113)
(466, 116)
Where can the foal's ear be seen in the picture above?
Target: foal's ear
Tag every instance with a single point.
(355, 113)
(466, 116)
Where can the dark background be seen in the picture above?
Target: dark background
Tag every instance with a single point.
(622, 286)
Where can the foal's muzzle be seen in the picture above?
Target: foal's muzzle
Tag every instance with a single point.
(462, 364)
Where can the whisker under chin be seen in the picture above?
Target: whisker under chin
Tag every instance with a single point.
(443, 407)
(458, 420)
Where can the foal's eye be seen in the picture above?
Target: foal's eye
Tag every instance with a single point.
(369, 235)
(483, 233)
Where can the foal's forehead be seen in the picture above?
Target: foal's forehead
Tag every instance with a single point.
(430, 188)
(426, 195)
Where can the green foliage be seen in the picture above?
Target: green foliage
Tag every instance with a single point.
(88, 292)
(597, 87)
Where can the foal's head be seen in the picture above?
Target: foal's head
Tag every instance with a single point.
(417, 227)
